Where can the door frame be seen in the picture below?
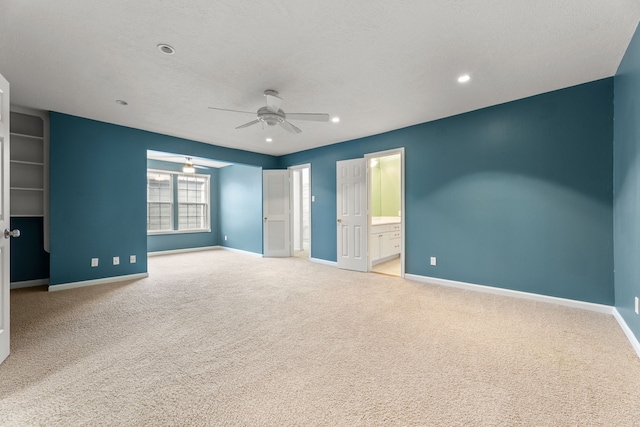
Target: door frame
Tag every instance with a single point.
(291, 169)
(368, 158)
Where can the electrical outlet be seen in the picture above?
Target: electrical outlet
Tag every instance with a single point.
(433, 260)
(132, 259)
(225, 237)
(637, 311)
(116, 260)
(313, 198)
(94, 262)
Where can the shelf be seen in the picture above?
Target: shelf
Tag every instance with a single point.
(26, 203)
(26, 125)
(24, 135)
(26, 175)
(25, 189)
(24, 162)
(25, 149)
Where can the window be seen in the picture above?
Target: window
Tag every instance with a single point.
(177, 202)
(159, 201)
(193, 202)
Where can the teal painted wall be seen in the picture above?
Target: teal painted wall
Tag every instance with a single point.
(29, 260)
(627, 184)
(517, 195)
(166, 242)
(98, 193)
(97, 199)
(241, 207)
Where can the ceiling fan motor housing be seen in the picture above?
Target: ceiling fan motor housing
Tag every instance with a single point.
(269, 117)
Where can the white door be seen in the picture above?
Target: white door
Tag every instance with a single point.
(351, 190)
(4, 219)
(275, 209)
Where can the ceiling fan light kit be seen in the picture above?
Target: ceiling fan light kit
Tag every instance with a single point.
(188, 167)
(273, 115)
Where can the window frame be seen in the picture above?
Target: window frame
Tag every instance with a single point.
(175, 210)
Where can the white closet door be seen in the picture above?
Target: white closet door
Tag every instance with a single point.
(275, 209)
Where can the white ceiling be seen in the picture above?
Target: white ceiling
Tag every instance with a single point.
(378, 65)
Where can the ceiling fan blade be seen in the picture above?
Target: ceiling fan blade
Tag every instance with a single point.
(233, 111)
(273, 102)
(290, 128)
(246, 125)
(315, 117)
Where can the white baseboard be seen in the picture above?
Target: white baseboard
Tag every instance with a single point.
(93, 282)
(28, 283)
(240, 251)
(180, 251)
(598, 308)
(324, 261)
(627, 331)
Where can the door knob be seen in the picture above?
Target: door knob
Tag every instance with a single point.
(339, 220)
(265, 218)
(11, 233)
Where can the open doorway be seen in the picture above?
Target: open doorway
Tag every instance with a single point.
(301, 210)
(386, 202)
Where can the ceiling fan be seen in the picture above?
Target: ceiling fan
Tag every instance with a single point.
(272, 115)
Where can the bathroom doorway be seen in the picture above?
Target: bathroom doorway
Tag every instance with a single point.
(386, 209)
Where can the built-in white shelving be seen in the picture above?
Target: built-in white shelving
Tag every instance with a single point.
(29, 184)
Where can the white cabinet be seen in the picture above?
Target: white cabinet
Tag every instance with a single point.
(385, 242)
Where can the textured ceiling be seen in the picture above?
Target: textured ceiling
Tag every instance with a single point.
(378, 65)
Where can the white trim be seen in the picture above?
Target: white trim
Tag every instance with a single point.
(84, 283)
(29, 283)
(179, 251)
(164, 232)
(255, 254)
(323, 261)
(627, 331)
(598, 308)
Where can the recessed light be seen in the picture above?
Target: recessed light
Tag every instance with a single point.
(336, 120)
(165, 48)
(121, 102)
(269, 140)
(464, 78)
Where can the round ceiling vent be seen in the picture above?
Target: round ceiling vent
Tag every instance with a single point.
(166, 49)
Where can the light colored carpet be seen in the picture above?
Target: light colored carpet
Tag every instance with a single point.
(221, 338)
